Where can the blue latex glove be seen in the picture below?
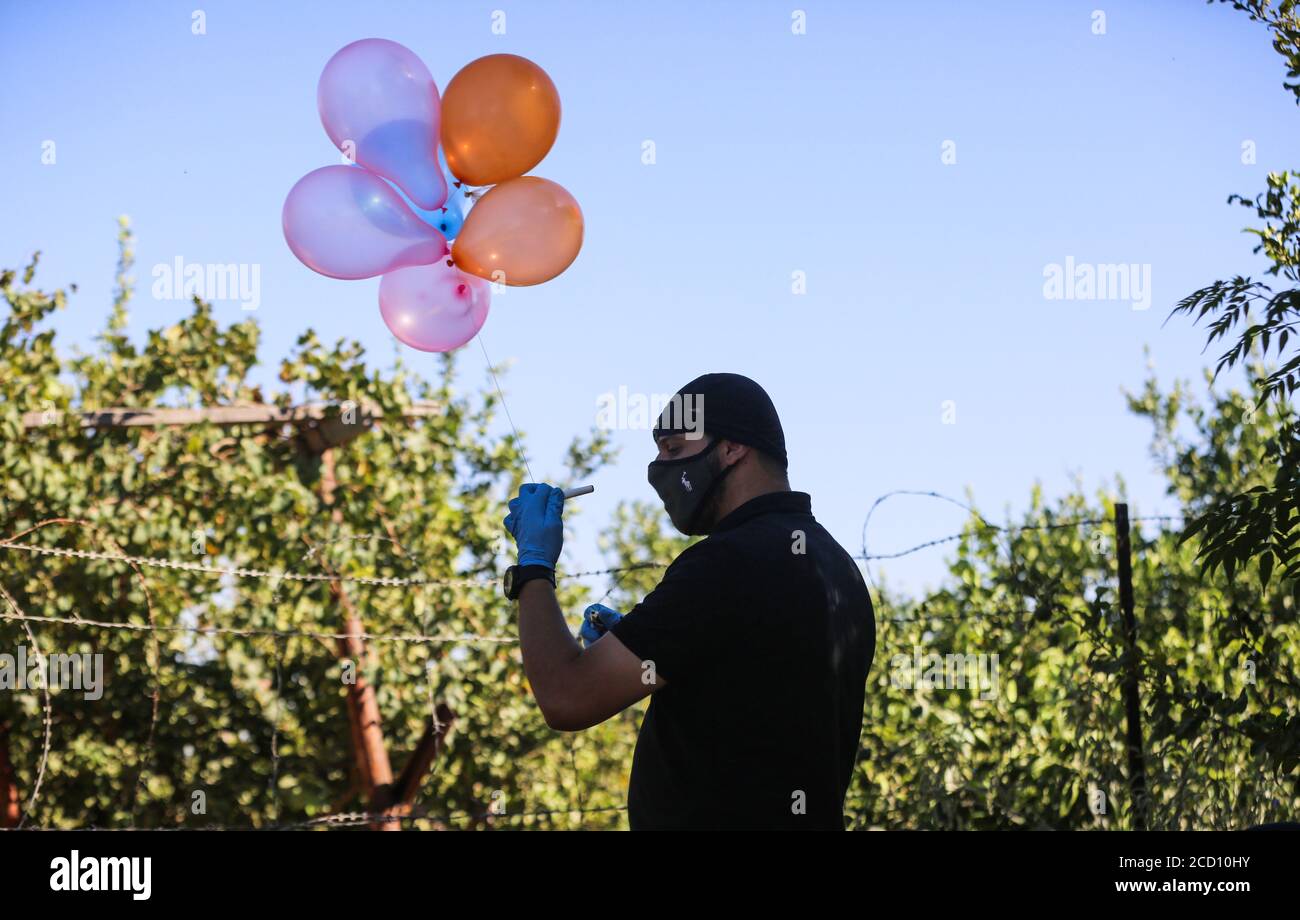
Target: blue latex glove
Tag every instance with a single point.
(596, 621)
(536, 522)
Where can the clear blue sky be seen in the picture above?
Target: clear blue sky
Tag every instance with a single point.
(775, 153)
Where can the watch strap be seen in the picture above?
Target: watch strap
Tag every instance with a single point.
(522, 574)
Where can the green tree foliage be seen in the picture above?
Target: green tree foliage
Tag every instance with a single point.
(1216, 660)
(1261, 525)
(257, 722)
(1285, 26)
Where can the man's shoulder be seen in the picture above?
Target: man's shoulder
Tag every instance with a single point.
(712, 550)
(771, 535)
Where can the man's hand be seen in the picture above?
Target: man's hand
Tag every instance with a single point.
(596, 621)
(574, 688)
(536, 521)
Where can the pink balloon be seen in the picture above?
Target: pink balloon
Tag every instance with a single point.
(348, 223)
(380, 106)
(434, 307)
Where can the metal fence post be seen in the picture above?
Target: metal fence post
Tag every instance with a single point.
(1137, 774)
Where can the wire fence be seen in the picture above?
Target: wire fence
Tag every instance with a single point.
(416, 815)
(161, 562)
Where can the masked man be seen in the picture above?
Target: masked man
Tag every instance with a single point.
(754, 647)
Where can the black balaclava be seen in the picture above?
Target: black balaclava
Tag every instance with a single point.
(725, 406)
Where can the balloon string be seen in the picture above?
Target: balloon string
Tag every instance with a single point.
(518, 442)
(572, 741)
(466, 191)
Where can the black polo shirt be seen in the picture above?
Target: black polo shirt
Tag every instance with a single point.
(764, 634)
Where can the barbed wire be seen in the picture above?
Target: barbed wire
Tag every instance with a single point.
(355, 819)
(490, 581)
(864, 556)
(468, 637)
(314, 577)
(984, 526)
(281, 576)
(240, 572)
(163, 562)
(273, 633)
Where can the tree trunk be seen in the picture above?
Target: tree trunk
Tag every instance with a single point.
(363, 709)
(10, 810)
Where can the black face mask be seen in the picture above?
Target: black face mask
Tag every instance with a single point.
(685, 486)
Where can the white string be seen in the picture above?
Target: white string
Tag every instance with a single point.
(518, 443)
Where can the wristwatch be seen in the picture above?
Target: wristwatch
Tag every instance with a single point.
(519, 575)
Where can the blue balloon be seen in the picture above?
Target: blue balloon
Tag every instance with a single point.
(453, 210)
(451, 216)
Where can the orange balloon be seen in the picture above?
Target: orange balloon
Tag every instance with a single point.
(524, 231)
(500, 115)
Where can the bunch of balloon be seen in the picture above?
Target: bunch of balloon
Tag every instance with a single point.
(500, 116)
(394, 208)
